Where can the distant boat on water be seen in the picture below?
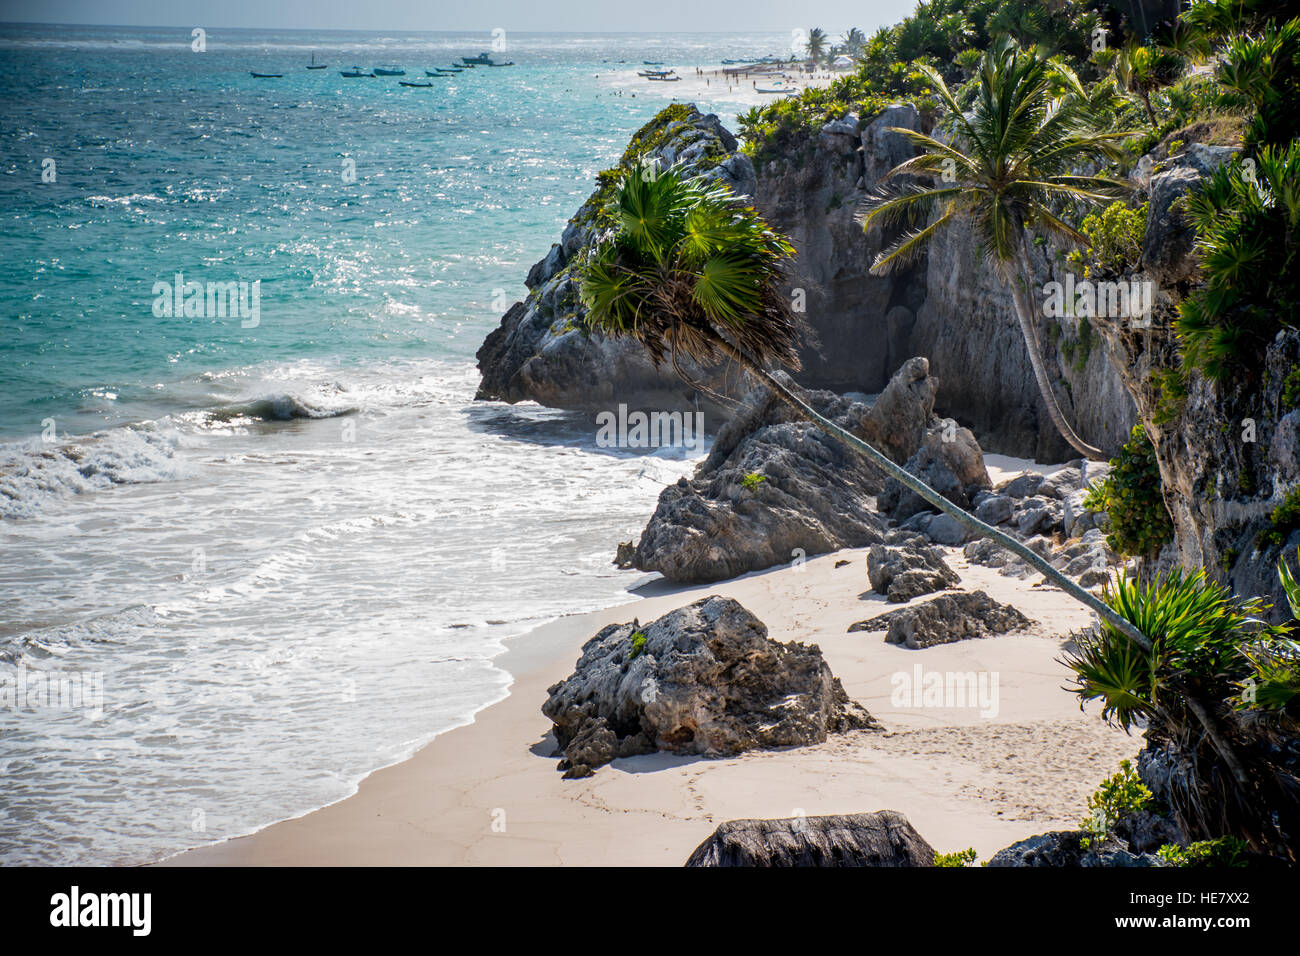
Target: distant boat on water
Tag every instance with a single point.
(314, 65)
(507, 63)
(389, 70)
(354, 72)
(437, 75)
(653, 62)
(267, 76)
(655, 74)
(444, 70)
(664, 79)
(412, 83)
(777, 86)
(483, 58)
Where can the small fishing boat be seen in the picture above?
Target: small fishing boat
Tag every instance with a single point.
(444, 69)
(655, 74)
(410, 83)
(664, 79)
(313, 65)
(267, 76)
(436, 76)
(354, 72)
(507, 63)
(464, 65)
(653, 62)
(483, 58)
(777, 86)
(389, 70)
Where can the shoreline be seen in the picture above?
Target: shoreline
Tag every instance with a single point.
(711, 84)
(487, 792)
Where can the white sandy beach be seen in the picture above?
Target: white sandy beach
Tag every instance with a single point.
(712, 83)
(489, 793)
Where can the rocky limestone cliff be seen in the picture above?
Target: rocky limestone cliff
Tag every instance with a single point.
(1228, 452)
(950, 306)
(541, 352)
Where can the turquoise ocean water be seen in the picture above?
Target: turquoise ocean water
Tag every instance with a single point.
(286, 552)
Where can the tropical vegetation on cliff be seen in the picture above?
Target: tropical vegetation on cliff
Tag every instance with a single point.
(1013, 166)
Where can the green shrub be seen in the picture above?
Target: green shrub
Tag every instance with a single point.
(1171, 395)
(752, 480)
(1139, 522)
(1120, 795)
(1114, 240)
(1291, 389)
(964, 857)
(1246, 215)
(638, 645)
(1225, 851)
(1285, 518)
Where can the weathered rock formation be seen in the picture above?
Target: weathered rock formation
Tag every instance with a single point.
(945, 620)
(704, 679)
(541, 352)
(949, 306)
(950, 461)
(775, 489)
(1228, 452)
(1062, 848)
(884, 838)
(903, 566)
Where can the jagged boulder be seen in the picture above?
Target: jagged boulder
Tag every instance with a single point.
(704, 679)
(774, 488)
(950, 461)
(900, 416)
(884, 838)
(945, 620)
(904, 566)
(541, 353)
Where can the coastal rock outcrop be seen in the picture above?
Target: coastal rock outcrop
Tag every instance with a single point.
(775, 489)
(704, 679)
(883, 838)
(945, 620)
(541, 352)
(948, 306)
(1063, 848)
(950, 461)
(903, 566)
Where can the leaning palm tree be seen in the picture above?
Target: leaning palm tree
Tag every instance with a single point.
(687, 269)
(1011, 167)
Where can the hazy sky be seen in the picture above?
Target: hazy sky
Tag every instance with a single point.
(431, 15)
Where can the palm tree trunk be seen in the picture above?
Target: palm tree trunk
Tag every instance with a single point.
(1025, 313)
(912, 483)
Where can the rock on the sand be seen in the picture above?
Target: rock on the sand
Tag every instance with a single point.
(904, 567)
(1062, 848)
(945, 620)
(884, 838)
(704, 679)
(949, 461)
(815, 494)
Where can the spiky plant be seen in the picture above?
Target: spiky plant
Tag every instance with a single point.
(1195, 627)
(1012, 168)
(1247, 220)
(688, 269)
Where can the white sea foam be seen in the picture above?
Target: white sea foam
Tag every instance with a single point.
(302, 606)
